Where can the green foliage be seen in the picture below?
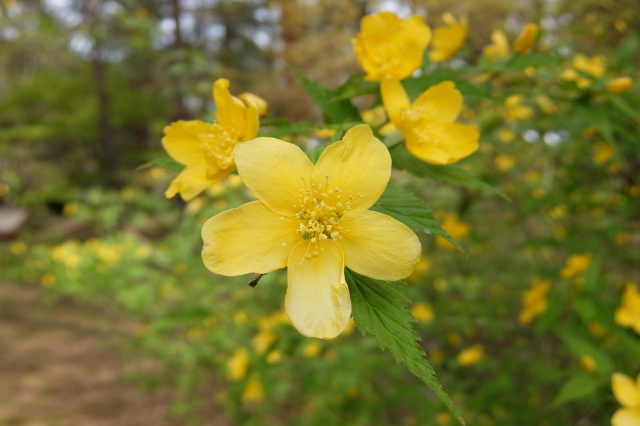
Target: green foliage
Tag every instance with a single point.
(379, 309)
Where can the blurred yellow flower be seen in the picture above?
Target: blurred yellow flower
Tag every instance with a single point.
(504, 162)
(388, 46)
(588, 364)
(620, 25)
(313, 219)
(253, 391)
(274, 357)
(207, 149)
(595, 66)
(525, 40)
(546, 104)
(619, 85)
(421, 268)
(238, 364)
(374, 117)
(449, 39)
(471, 355)
(48, 280)
(534, 300)
(422, 312)
(324, 133)
(18, 248)
(499, 47)
(515, 110)
(195, 205)
(506, 135)
(628, 314)
(262, 341)
(443, 418)
(576, 265)
(4, 189)
(454, 227)
(312, 350)
(429, 127)
(627, 392)
(603, 153)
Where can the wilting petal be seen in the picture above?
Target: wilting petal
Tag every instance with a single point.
(625, 390)
(395, 99)
(275, 171)
(441, 103)
(378, 246)
(626, 417)
(190, 182)
(443, 143)
(359, 163)
(248, 239)
(317, 300)
(230, 111)
(183, 140)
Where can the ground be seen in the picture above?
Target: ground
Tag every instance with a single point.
(61, 364)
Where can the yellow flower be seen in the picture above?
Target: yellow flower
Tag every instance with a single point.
(595, 66)
(628, 314)
(429, 127)
(514, 110)
(526, 38)
(314, 220)
(454, 227)
(619, 85)
(312, 350)
(603, 153)
(534, 301)
(237, 365)
(499, 47)
(504, 162)
(390, 46)
(422, 312)
(588, 363)
(471, 355)
(627, 392)
(449, 39)
(576, 265)
(253, 390)
(207, 149)
(546, 104)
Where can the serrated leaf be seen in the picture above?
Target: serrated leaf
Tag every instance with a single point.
(413, 212)
(578, 387)
(166, 163)
(336, 110)
(403, 160)
(380, 309)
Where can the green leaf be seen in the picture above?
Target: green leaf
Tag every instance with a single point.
(578, 387)
(380, 309)
(166, 163)
(405, 207)
(415, 86)
(403, 160)
(579, 347)
(335, 110)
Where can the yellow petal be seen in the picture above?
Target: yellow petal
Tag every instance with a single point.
(442, 144)
(441, 103)
(190, 182)
(626, 417)
(448, 40)
(525, 39)
(359, 163)
(275, 171)
(625, 390)
(252, 122)
(183, 140)
(230, 111)
(395, 99)
(317, 300)
(250, 98)
(248, 239)
(378, 246)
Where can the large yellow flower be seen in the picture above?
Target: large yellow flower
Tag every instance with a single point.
(428, 125)
(207, 149)
(390, 46)
(314, 220)
(627, 392)
(449, 39)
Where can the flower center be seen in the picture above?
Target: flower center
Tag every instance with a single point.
(320, 209)
(218, 146)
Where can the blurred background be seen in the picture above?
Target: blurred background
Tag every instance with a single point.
(101, 282)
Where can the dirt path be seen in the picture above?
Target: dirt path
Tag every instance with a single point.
(59, 366)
